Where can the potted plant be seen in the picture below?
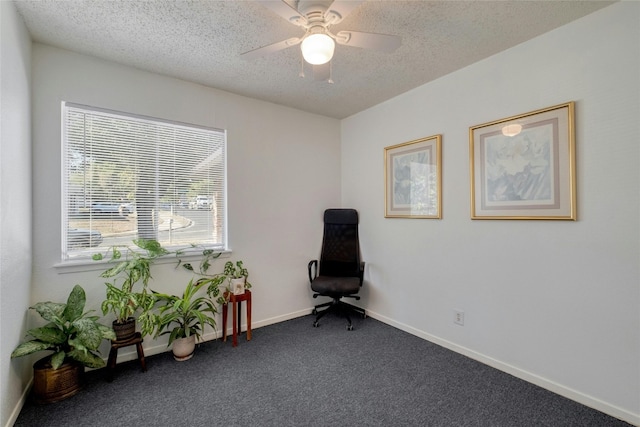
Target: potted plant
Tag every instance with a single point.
(123, 304)
(234, 275)
(185, 317)
(74, 337)
(123, 299)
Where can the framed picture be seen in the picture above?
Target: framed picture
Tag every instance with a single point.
(413, 179)
(523, 167)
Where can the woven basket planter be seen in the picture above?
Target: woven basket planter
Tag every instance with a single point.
(53, 385)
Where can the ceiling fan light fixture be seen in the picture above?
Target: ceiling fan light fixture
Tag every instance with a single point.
(317, 49)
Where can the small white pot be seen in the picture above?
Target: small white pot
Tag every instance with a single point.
(183, 348)
(237, 285)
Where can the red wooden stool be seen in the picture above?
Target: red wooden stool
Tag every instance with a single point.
(236, 302)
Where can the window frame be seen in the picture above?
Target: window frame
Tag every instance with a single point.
(84, 256)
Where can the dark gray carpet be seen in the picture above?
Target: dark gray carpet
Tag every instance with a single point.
(292, 374)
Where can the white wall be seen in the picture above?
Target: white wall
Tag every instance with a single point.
(15, 205)
(554, 302)
(278, 180)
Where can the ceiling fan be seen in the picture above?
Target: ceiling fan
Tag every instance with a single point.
(318, 42)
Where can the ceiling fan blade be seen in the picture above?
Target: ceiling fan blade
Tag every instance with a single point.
(339, 9)
(322, 71)
(256, 53)
(284, 10)
(381, 42)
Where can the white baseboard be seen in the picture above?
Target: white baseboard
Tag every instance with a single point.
(552, 386)
(161, 348)
(23, 399)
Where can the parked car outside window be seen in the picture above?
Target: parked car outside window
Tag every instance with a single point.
(106, 208)
(201, 202)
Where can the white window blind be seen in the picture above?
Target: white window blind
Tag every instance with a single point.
(127, 177)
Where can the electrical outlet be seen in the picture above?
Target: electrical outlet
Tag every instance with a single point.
(458, 317)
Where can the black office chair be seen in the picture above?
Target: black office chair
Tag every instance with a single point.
(340, 271)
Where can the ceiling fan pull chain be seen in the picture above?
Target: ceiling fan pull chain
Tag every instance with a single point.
(301, 75)
(330, 80)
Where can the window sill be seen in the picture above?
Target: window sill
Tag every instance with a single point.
(87, 264)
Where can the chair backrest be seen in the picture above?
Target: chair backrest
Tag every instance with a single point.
(340, 255)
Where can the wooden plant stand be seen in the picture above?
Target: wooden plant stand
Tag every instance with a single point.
(236, 303)
(113, 354)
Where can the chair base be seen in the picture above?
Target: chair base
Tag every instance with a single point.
(338, 307)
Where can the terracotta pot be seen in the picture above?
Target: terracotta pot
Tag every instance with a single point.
(125, 330)
(183, 348)
(52, 385)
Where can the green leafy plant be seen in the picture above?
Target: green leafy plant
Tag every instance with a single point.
(136, 265)
(233, 271)
(186, 315)
(125, 304)
(208, 255)
(230, 271)
(71, 332)
(122, 299)
(236, 271)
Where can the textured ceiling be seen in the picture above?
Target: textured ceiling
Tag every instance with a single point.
(201, 41)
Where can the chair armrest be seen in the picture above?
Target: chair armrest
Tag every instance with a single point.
(313, 269)
(361, 272)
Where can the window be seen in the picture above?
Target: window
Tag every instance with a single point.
(128, 177)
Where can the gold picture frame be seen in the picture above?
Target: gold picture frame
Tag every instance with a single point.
(413, 179)
(523, 167)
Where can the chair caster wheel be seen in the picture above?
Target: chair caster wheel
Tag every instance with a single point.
(350, 328)
(316, 324)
